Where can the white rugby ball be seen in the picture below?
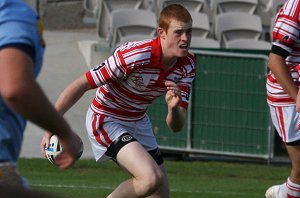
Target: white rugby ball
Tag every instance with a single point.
(54, 149)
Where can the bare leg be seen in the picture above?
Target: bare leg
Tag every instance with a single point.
(163, 191)
(294, 154)
(147, 177)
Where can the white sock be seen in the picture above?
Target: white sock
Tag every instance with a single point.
(283, 190)
(292, 189)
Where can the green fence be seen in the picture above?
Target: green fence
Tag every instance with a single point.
(228, 114)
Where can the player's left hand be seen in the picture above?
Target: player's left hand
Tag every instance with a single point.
(45, 142)
(173, 95)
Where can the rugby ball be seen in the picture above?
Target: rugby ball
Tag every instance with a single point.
(54, 149)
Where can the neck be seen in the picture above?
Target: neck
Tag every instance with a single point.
(168, 62)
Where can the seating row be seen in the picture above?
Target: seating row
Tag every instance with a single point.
(230, 30)
(120, 21)
(263, 8)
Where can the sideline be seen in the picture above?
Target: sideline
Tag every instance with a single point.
(111, 188)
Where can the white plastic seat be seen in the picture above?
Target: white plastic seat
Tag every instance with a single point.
(204, 43)
(248, 44)
(231, 26)
(127, 23)
(264, 10)
(224, 6)
(91, 6)
(191, 5)
(106, 7)
(201, 26)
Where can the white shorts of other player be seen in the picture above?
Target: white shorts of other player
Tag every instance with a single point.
(103, 130)
(286, 120)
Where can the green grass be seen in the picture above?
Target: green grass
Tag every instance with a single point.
(188, 179)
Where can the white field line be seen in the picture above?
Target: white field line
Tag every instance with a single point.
(111, 188)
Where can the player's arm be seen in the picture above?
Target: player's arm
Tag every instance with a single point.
(282, 45)
(282, 74)
(70, 95)
(176, 114)
(22, 93)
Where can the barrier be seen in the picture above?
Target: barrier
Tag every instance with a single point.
(228, 114)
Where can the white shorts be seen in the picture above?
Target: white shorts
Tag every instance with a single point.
(286, 120)
(104, 130)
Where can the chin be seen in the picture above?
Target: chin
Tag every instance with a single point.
(183, 54)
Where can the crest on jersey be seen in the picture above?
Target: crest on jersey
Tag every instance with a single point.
(138, 81)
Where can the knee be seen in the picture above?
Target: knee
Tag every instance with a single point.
(151, 182)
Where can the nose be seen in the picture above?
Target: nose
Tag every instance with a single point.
(185, 36)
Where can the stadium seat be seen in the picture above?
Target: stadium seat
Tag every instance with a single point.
(106, 7)
(248, 44)
(91, 6)
(191, 5)
(272, 25)
(223, 6)
(204, 43)
(201, 26)
(234, 25)
(264, 10)
(130, 24)
(277, 5)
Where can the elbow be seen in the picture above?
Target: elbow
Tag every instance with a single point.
(13, 95)
(175, 129)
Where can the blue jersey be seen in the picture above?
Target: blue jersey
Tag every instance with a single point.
(19, 28)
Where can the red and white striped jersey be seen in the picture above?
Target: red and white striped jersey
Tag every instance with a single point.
(286, 36)
(130, 79)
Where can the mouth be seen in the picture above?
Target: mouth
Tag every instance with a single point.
(184, 46)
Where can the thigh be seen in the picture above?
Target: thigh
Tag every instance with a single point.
(285, 119)
(144, 134)
(136, 160)
(102, 132)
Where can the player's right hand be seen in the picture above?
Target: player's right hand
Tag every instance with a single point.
(72, 147)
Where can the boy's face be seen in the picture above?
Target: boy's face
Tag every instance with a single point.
(177, 39)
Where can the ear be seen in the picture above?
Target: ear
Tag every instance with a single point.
(161, 33)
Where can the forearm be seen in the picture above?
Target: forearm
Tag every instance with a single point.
(33, 104)
(283, 75)
(175, 118)
(23, 94)
(71, 94)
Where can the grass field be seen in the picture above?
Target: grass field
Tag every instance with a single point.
(188, 179)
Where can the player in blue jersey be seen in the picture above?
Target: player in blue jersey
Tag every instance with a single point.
(21, 98)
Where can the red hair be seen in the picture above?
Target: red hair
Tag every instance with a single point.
(173, 12)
